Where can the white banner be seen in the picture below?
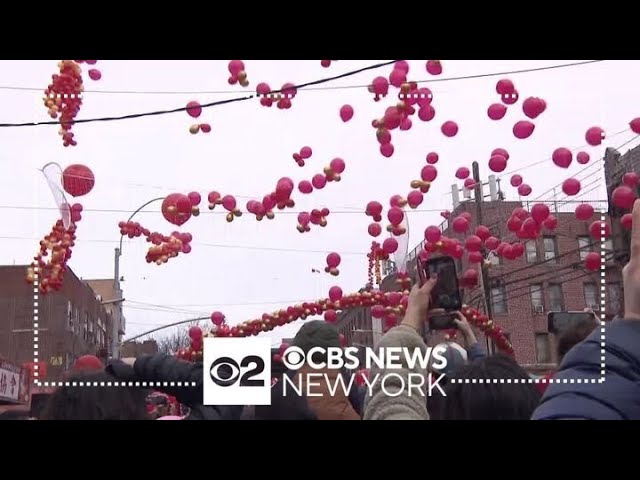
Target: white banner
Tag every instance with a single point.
(9, 385)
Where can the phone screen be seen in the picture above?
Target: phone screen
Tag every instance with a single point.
(446, 293)
(561, 321)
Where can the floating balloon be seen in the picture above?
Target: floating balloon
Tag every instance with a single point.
(571, 186)
(194, 109)
(496, 111)
(540, 212)
(475, 257)
(523, 129)
(77, 180)
(469, 278)
(176, 208)
(623, 197)
(217, 318)
(428, 173)
(491, 243)
(500, 151)
(532, 107)
(462, 173)
(635, 125)
(325, 63)
(626, 221)
(524, 190)
(631, 179)
(473, 243)
(599, 230)
(330, 316)
(449, 128)
(395, 215)
(432, 158)
(592, 261)
(460, 224)
(434, 67)
(469, 184)
(390, 245)
(305, 187)
(483, 233)
(562, 157)
(497, 163)
(374, 229)
(335, 294)
(415, 198)
(584, 212)
(594, 136)
(387, 150)
(319, 181)
(337, 165)
(516, 180)
(432, 234)
(505, 86)
(95, 74)
(550, 223)
(582, 158)
(346, 113)
(426, 114)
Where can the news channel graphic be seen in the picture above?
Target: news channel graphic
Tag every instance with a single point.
(237, 371)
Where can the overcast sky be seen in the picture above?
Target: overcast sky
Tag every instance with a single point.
(246, 268)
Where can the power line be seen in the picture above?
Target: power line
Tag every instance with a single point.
(344, 87)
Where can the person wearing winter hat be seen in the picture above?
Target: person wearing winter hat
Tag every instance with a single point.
(88, 362)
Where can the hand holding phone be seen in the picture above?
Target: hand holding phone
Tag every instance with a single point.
(446, 292)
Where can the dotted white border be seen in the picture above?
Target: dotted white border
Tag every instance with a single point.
(65, 95)
(36, 380)
(603, 289)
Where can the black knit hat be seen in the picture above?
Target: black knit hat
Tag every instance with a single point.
(316, 333)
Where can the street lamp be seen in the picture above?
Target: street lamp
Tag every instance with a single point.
(115, 342)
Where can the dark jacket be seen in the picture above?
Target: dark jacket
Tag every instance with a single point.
(163, 368)
(615, 398)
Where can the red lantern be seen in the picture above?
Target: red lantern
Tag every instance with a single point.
(77, 180)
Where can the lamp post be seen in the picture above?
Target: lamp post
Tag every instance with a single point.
(117, 324)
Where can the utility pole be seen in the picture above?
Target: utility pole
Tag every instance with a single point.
(484, 277)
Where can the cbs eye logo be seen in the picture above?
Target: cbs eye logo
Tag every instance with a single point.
(226, 372)
(293, 358)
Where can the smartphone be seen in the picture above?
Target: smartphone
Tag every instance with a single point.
(446, 293)
(442, 322)
(558, 322)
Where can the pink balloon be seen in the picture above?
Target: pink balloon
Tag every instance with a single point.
(319, 181)
(337, 165)
(496, 111)
(432, 234)
(462, 173)
(304, 218)
(390, 245)
(346, 113)
(406, 124)
(395, 216)
(374, 229)
(634, 125)
(427, 113)
(449, 128)
(402, 65)
(594, 136)
(335, 293)
(95, 74)
(305, 186)
(386, 149)
(432, 158)
(584, 212)
(523, 129)
(397, 77)
(434, 67)
(510, 98)
(497, 163)
(235, 67)
(428, 173)
(505, 86)
(500, 151)
(469, 183)
(562, 157)
(532, 107)
(582, 158)
(415, 198)
(194, 109)
(516, 180)
(524, 190)
(306, 152)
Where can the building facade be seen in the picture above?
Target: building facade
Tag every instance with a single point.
(71, 322)
(110, 294)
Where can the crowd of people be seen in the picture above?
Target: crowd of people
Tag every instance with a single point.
(598, 377)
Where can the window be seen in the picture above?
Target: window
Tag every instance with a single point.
(536, 297)
(591, 295)
(69, 316)
(550, 249)
(499, 300)
(543, 350)
(584, 243)
(531, 250)
(556, 300)
(614, 298)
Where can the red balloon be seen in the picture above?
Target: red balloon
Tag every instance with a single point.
(497, 163)
(532, 107)
(415, 198)
(460, 224)
(374, 229)
(496, 111)
(432, 234)
(466, 215)
(77, 180)
(627, 221)
(194, 109)
(562, 157)
(335, 293)
(319, 181)
(516, 180)
(426, 114)
(631, 179)
(458, 252)
(432, 157)
(623, 197)
(550, 223)
(505, 86)
(635, 125)
(217, 318)
(346, 113)
(523, 129)
(596, 229)
(571, 186)
(337, 165)
(524, 190)
(374, 209)
(330, 316)
(510, 98)
(95, 74)
(469, 183)
(470, 278)
(521, 213)
(195, 333)
(539, 212)
(462, 173)
(377, 311)
(305, 186)
(395, 216)
(176, 208)
(592, 261)
(584, 211)
(514, 224)
(333, 260)
(434, 67)
(383, 136)
(483, 232)
(392, 118)
(594, 136)
(530, 226)
(449, 128)
(306, 152)
(475, 257)
(428, 173)
(194, 198)
(473, 243)
(387, 149)
(582, 158)
(390, 245)
(500, 151)
(492, 243)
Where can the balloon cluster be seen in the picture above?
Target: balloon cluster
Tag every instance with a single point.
(280, 198)
(375, 255)
(304, 154)
(199, 127)
(529, 225)
(177, 208)
(51, 273)
(228, 202)
(165, 247)
(333, 261)
(316, 217)
(63, 96)
(77, 180)
(282, 98)
(487, 327)
(238, 73)
(396, 215)
(194, 110)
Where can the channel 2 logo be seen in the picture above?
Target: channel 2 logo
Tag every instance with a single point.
(237, 371)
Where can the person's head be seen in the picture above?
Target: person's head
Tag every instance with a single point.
(88, 362)
(316, 333)
(95, 402)
(455, 355)
(492, 399)
(573, 336)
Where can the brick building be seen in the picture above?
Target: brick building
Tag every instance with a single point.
(72, 322)
(110, 294)
(549, 277)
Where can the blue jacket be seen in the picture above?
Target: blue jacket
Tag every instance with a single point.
(615, 398)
